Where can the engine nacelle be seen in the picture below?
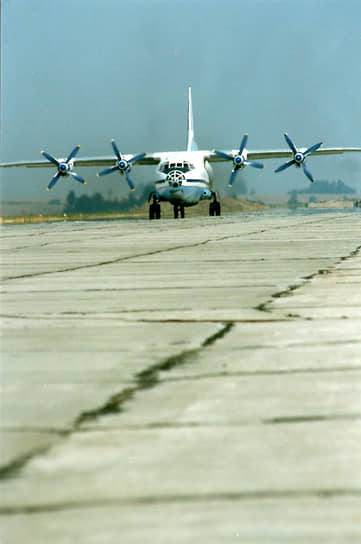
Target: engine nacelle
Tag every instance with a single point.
(239, 161)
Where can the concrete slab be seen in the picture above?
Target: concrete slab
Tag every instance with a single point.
(95, 467)
(258, 519)
(182, 381)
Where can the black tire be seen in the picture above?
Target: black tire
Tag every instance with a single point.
(157, 211)
(175, 211)
(217, 208)
(211, 209)
(182, 211)
(151, 211)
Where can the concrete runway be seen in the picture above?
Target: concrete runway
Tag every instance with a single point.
(182, 381)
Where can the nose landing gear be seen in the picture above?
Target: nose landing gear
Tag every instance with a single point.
(178, 209)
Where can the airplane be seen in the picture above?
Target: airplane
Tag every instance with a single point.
(183, 178)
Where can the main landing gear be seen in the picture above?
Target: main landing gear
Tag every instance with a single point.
(215, 206)
(178, 209)
(154, 209)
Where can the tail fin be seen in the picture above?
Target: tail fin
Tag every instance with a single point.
(191, 144)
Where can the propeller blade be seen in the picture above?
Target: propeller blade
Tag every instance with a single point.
(232, 178)
(285, 165)
(77, 177)
(243, 143)
(50, 158)
(312, 148)
(137, 158)
(53, 181)
(307, 172)
(73, 153)
(223, 155)
(116, 150)
(290, 143)
(255, 164)
(129, 180)
(107, 171)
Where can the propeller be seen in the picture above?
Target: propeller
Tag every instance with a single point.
(298, 157)
(64, 167)
(239, 160)
(123, 165)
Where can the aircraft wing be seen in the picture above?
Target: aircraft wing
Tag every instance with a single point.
(155, 158)
(151, 158)
(278, 153)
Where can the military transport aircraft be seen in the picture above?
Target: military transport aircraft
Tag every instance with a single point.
(183, 177)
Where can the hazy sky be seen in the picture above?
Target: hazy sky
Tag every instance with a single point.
(85, 71)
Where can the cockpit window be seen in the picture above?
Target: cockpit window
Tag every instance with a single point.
(183, 166)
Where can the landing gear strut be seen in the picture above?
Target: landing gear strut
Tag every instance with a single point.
(178, 209)
(154, 209)
(215, 206)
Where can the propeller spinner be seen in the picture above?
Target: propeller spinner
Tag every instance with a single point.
(64, 167)
(239, 160)
(123, 165)
(298, 157)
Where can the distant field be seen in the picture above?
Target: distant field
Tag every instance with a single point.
(10, 208)
(36, 211)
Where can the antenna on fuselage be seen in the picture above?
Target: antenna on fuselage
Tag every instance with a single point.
(191, 144)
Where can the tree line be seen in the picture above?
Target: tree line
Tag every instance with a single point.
(325, 187)
(97, 203)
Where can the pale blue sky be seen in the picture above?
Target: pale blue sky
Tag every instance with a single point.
(84, 71)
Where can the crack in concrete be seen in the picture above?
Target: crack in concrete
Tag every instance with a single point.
(264, 307)
(120, 259)
(12, 468)
(95, 265)
(156, 252)
(149, 378)
(116, 404)
(190, 498)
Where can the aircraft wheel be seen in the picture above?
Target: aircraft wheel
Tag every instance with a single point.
(182, 211)
(175, 211)
(154, 207)
(154, 211)
(215, 208)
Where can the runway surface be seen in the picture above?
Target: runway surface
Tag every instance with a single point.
(182, 381)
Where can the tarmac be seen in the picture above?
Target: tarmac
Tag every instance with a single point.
(182, 381)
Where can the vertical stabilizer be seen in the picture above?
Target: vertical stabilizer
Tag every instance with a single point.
(191, 144)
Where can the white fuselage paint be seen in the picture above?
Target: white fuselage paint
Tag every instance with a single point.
(184, 178)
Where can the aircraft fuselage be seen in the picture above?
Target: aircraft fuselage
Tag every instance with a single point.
(184, 178)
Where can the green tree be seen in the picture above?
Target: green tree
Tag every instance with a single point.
(70, 202)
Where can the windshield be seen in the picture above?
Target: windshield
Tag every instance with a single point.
(182, 166)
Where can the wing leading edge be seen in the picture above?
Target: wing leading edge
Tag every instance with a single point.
(211, 156)
(150, 159)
